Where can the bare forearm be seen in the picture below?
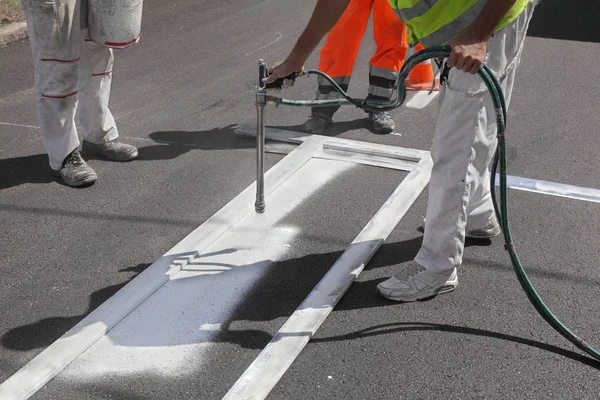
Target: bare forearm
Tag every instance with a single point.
(325, 15)
(491, 15)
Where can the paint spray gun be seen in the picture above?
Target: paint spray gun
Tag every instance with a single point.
(261, 102)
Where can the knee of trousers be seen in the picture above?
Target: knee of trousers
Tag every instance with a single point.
(57, 79)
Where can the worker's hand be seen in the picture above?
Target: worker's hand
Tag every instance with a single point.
(283, 69)
(468, 54)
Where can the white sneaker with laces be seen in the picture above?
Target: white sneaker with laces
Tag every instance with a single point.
(416, 283)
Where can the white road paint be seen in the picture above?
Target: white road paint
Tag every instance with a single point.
(552, 188)
(372, 149)
(266, 370)
(279, 37)
(179, 321)
(19, 125)
(46, 365)
(419, 99)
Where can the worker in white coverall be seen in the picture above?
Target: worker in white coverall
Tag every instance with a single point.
(459, 205)
(72, 76)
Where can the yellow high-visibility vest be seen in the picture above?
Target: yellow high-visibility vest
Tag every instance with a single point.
(435, 22)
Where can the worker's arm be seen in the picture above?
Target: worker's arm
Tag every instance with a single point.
(325, 15)
(469, 49)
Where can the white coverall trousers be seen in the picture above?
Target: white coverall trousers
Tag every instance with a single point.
(72, 76)
(463, 148)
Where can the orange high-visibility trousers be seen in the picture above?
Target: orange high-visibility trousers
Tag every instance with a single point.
(343, 43)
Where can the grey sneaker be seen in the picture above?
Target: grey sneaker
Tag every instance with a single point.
(75, 171)
(488, 232)
(416, 283)
(485, 233)
(382, 122)
(316, 124)
(112, 150)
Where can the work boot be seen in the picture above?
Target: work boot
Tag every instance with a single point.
(382, 122)
(75, 171)
(112, 150)
(316, 124)
(416, 283)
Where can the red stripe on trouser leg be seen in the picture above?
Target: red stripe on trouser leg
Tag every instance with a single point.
(390, 36)
(58, 60)
(60, 97)
(122, 44)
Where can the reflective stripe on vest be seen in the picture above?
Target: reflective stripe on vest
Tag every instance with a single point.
(434, 22)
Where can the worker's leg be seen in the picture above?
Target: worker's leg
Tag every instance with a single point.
(339, 53)
(54, 34)
(462, 149)
(390, 37)
(98, 126)
(97, 122)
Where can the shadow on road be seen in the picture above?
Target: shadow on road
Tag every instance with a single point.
(397, 327)
(21, 170)
(173, 144)
(44, 332)
(566, 20)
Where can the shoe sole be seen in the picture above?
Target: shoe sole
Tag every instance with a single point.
(86, 181)
(384, 131)
(492, 233)
(447, 287)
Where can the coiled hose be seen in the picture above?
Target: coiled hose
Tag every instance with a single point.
(501, 209)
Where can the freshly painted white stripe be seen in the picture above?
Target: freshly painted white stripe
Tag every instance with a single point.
(552, 188)
(337, 143)
(366, 159)
(514, 182)
(166, 326)
(58, 355)
(419, 99)
(266, 370)
(20, 125)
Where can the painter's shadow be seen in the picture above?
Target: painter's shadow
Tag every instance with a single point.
(469, 242)
(22, 170)
(44, 332)
(336, 129)
(173, 144)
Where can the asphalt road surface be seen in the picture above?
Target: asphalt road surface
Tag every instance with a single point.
(178, 96)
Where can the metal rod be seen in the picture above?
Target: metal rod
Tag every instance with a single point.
(261, 101)
(260, 205)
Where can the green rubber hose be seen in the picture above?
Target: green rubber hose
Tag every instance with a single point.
(500, 208)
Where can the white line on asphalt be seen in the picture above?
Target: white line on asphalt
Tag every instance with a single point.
(204, 293)
(513, 182)
(266, 370)
(35, 374)
(552, 188)
(19, 125)
(279, 37)
(420, 99)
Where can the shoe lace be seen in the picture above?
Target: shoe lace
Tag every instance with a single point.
(382, 115)
(411, 270)
(73, 160)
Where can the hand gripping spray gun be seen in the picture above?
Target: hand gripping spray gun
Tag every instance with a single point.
(501, 207)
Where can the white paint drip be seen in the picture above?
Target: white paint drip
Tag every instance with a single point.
(179, 323)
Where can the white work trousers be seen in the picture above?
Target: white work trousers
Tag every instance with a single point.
(72, 76)
(462, 151)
